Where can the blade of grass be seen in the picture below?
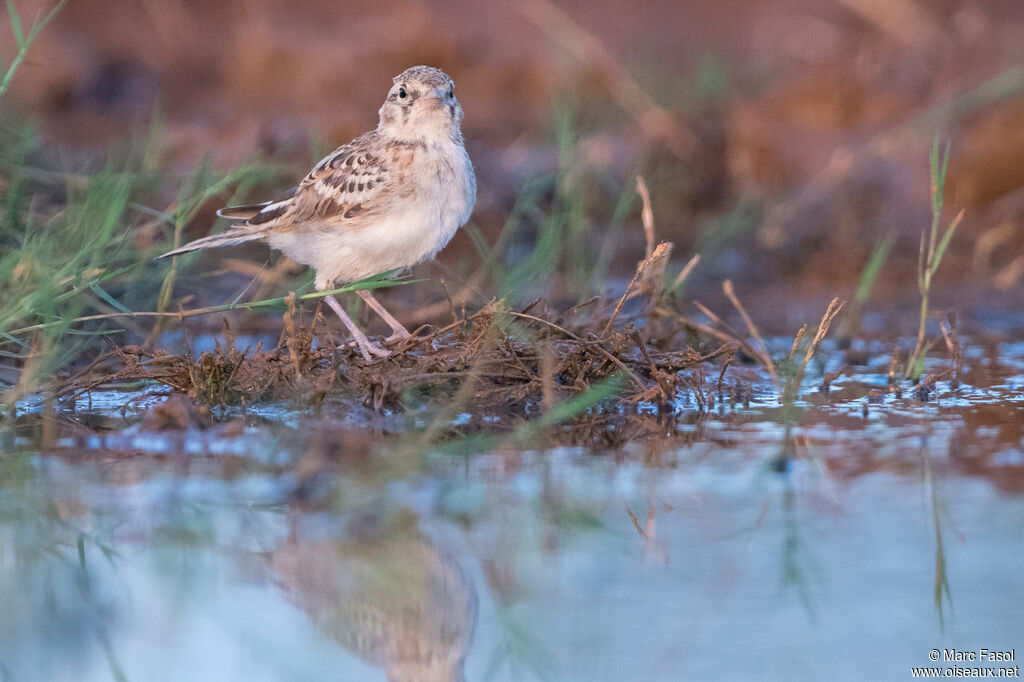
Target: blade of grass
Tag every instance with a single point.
(99, 291)
(197, 312)
(930, 257)
(944, 242)
(24, 41)
(12, 13)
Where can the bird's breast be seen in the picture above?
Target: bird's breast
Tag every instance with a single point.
(452, 186)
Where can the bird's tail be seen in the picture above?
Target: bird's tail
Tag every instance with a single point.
(237, 234)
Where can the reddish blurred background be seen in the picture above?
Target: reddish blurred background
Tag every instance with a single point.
(781, 138)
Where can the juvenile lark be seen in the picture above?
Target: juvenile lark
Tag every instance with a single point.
(389, 199)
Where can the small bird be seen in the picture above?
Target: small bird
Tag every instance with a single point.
(387, 200)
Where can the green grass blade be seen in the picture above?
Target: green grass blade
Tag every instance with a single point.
(567, 409)
(941, 248)
(874, 267)
(483, 249)
(99, 291)
(15, 340)
(39, 25)
(16, 29)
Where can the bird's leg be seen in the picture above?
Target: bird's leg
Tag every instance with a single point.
(399, 332)
(365, 346)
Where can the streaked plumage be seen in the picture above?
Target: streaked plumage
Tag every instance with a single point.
(389, 199)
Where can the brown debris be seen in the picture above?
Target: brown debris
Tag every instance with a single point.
(496, 357)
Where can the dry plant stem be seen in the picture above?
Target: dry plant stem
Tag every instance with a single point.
(762, 349)
(641, 268)
(636, 522)
(796, 342)
(547, 377)
(728, 336)
(517, 360)
(952, 339)
(730, 356)
(715, 319)
(587, 49)
(578, 307)
(958, 353)
(448, 298)
(648, 221)
(687, 269)
(655, 258)
(652, 280)
(835, 306)
(894, 363)
(293, 334)
(646, 215)
(622, 301)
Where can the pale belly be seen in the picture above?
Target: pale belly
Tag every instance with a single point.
(415, 232)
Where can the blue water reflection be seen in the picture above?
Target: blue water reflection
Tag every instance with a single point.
(285, 558)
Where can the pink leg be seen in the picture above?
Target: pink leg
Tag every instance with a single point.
(399, 332)
(365, 346)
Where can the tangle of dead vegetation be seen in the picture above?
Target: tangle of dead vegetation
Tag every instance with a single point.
(496, 358)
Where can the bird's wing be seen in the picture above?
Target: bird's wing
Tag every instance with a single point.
(242, 212)
(352, 183)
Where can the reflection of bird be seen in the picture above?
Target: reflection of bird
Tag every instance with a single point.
(387, 200)
(387, 594)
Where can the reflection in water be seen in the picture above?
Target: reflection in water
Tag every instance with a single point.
(386, 593)
(941, 577)
(654, 557)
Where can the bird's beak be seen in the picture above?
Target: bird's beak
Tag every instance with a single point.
(435, 93)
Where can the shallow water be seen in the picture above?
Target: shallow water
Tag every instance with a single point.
(844, 540)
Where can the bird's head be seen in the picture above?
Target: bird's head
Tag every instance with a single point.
(421, 107)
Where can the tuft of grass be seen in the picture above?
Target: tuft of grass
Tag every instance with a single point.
(66, 248)
(60, 261)
(69, 263)
(933, 247)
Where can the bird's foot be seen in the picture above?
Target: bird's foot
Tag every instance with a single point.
(399, 335)
(369, 350)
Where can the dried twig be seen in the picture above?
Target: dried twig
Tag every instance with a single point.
(793, 383)
(952, 338)
(646, 215)
(796, 342)
(687, 269)
(594, 344)
(659, 256)
(760, 347)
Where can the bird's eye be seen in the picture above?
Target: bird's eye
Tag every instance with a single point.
(402, 94)
(451, 90)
